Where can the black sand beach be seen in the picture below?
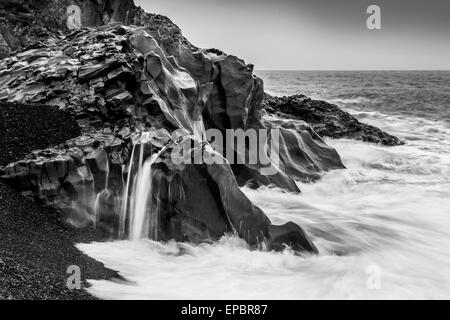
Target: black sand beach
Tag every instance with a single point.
(36, 248)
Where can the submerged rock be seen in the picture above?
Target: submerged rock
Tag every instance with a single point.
(327, 119)
(290, 235)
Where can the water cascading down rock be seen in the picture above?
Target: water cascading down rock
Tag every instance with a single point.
(138, 93)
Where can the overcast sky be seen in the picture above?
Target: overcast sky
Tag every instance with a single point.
(317, 34)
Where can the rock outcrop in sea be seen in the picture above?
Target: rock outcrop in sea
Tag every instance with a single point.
(138, 90)
(327, 119)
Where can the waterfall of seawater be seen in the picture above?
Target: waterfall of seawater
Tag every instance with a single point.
(124, 208)
(138, 214)
(102, 194)
(142, 203)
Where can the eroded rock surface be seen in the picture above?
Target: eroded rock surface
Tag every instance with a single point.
(123, 82)
(24, 22)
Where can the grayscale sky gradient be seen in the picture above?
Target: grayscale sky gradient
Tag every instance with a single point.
(317, 34)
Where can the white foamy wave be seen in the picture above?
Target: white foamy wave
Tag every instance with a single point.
(273, 93)
(419, 133)
(387, 211)
(344, 101)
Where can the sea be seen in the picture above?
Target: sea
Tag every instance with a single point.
(382, 225)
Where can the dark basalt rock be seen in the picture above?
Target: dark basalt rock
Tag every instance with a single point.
(104, 81)
(303, 153)
(303, 156)
(327, 119)
(206, 202)
(120, 81)
(193, 202)
(290, 235)
(25, 23)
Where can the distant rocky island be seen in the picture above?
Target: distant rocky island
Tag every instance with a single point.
(81, 82)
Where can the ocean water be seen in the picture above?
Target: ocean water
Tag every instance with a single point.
(382, 225)
(424, 94)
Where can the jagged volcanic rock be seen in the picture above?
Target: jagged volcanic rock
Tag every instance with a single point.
(121, 81)
(27, 22)
(23, 22)
(327, 119)
(115, 72)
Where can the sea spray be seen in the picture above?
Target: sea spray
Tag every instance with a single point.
(387, 210)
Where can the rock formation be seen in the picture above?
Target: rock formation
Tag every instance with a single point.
(138, 93)
(25, 22)
(119, 82)
(327, 119)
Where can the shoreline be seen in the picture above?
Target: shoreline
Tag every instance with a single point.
(36, 247)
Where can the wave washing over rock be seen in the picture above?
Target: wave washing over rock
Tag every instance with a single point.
(387, 211)
(130, 79)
